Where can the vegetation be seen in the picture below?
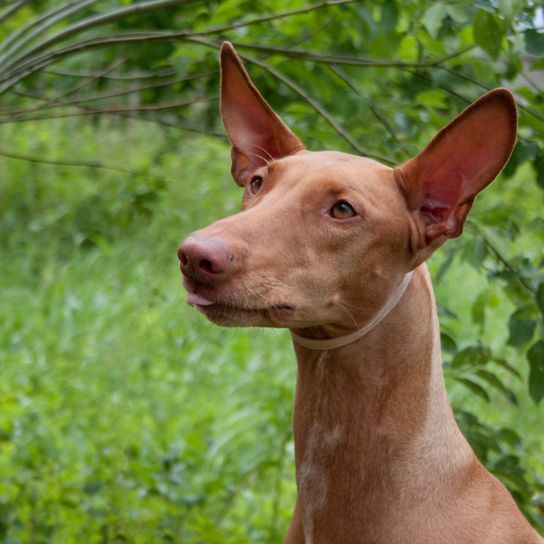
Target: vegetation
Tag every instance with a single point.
(124, 416)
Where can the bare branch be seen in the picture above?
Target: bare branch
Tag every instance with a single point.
(488, 88)
(344, 59)
(171, 124)
(80, 164)
(37, 26)
(105, 111)
(156, 120)
(104, 96)
(341, 131)
(500, 257)
(272, 17)
(11, 10)
(377, 114)
(57, 101)
(22, 67)
(96, 20)
(127, 76)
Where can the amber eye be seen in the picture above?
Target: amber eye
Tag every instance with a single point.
(255, 184)
(342, 210)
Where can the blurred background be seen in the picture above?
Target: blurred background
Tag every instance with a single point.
(124, 415)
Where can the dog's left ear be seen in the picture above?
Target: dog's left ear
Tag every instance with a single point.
(255, 130)
(441, 182)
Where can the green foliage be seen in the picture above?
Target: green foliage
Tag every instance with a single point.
(124, 417)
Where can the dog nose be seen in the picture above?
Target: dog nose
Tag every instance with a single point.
(205, 259)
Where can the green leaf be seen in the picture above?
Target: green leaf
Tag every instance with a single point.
(457, 13)
(471, 356)
(496, 383)
(540, 298)
(432, 98)
(507, 366)
(534, 42)
(521, 328)
(523, 151)
(433, 18)
(487, 31)
(476, 388)
(478, 308)
(389, 18)
(538, 163)
(448, 343)
(535, 356)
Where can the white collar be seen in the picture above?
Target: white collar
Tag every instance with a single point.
(332, 343)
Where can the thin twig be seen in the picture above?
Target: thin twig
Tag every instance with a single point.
(377, 114)
(106, 111)
(112, 94)
(156, 120)
(28, 32)
(80, 164)
(56, 101)
(341, 131)
(96, 20)
(273, 17)
(22, 69)
(487, 88)
(11, 10)
(498, 254)
(345, 59)
(166, 72)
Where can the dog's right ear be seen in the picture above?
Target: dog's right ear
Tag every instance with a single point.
(255, 130)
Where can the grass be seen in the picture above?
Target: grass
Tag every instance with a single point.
(124, 415)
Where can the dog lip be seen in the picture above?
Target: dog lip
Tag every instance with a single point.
(202, 301)
(194, 299)
(272, 309)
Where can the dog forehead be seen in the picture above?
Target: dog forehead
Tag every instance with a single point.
(333, 168)
(330, 164)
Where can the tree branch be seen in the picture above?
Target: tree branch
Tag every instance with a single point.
(104, 96)
(80, 164)
(11, 10)
(55, 102)
(341, 131)
(273, 17)
(34, 28)
(126, 76)
(96, 20)
(105, 111)
(500, 257)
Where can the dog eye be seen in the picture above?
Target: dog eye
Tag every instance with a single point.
(255, 184)
(342, 210)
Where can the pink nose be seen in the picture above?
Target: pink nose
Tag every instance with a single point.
(205, 259)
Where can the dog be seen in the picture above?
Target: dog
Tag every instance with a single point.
(333, 247)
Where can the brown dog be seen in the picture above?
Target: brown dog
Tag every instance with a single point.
(332, 246)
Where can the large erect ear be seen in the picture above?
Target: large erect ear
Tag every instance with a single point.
(464, 157)
(256, 132)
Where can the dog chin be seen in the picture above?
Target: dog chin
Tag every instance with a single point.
(241, 317)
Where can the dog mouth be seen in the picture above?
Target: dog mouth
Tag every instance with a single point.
(213, 307)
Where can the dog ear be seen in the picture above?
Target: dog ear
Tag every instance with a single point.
(441, 182)
(256, 132)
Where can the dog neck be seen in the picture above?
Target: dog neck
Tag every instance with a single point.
(372, 420)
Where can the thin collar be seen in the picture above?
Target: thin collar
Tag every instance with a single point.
(332, 343)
